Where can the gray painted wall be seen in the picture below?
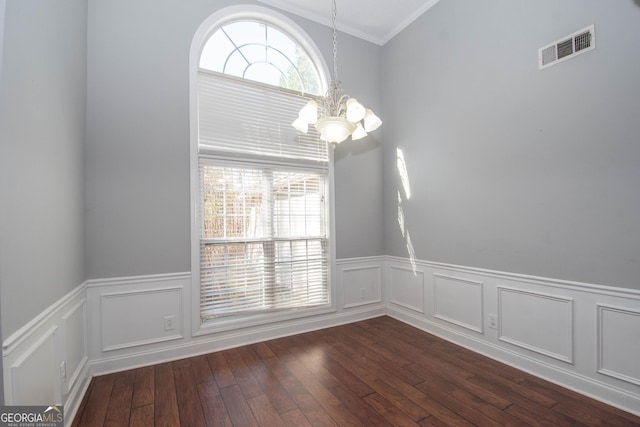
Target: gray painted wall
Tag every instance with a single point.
(42, 108)
(137, 153)
(3, 5)
(511, 168)
(358, 170)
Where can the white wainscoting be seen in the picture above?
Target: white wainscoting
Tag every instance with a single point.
(127, 316)
(458, 301)
(74, 338)
(406, 287)
(124, 323)
(582, 336)
(361, 283)
(45, 362)
(538, 322)
(33, 375)
(619, 343)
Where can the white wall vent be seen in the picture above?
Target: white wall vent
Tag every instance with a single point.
(567, 47)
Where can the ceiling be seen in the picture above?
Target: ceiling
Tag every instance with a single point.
(377, 21)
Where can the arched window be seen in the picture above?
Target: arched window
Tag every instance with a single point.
(261, 225)
(261, 52)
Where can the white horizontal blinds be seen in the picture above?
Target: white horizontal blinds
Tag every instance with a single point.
(240, 116)
(300, 230)
(233, 231)
(263, 243)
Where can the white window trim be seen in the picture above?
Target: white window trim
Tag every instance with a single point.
(200, 37)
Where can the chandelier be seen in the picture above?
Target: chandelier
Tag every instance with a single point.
(337, 116)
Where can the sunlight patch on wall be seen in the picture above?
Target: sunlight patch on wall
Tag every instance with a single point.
(402, 170)
(404, 178)
(401, 215)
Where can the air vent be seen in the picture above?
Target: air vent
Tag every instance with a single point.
(567, 47)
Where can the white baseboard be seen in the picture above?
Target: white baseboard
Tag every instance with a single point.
(211, 343)
(148, 300)
(72, 404)
(579, 336)
(572, 334)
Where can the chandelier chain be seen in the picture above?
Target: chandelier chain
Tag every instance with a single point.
(337, 116)
(335, 42)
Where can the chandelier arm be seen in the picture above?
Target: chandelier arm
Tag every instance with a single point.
(341, 105)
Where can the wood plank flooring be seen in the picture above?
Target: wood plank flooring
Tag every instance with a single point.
(379, 372)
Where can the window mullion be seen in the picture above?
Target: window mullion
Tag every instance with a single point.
(270, 245)
(224, 210)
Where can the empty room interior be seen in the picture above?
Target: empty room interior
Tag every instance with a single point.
(240, 179)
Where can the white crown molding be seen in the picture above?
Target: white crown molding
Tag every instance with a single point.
(377, 38)
(408, 21)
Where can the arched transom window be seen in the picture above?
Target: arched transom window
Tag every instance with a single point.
(259, 51)
(261, 243)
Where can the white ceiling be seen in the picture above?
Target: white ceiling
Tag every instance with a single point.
(377, 21)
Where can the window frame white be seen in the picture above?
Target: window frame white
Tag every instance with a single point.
(215, 20)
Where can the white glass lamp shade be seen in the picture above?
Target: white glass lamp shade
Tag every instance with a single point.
(355, 110)
(359, 133)
(301, 125)
(371, 121)
(309, 112)
(334, 129)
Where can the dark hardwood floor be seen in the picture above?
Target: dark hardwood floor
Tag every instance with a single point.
(370, 373)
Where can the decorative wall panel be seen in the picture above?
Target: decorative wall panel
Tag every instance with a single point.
(130, 319)
(362, 285)
(538, 322)
(407, 288)
(619, 343)
(458, 301)
(34, 374)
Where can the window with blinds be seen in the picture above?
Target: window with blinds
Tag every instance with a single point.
(253, 119)
(263, 209)
(263, 243)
